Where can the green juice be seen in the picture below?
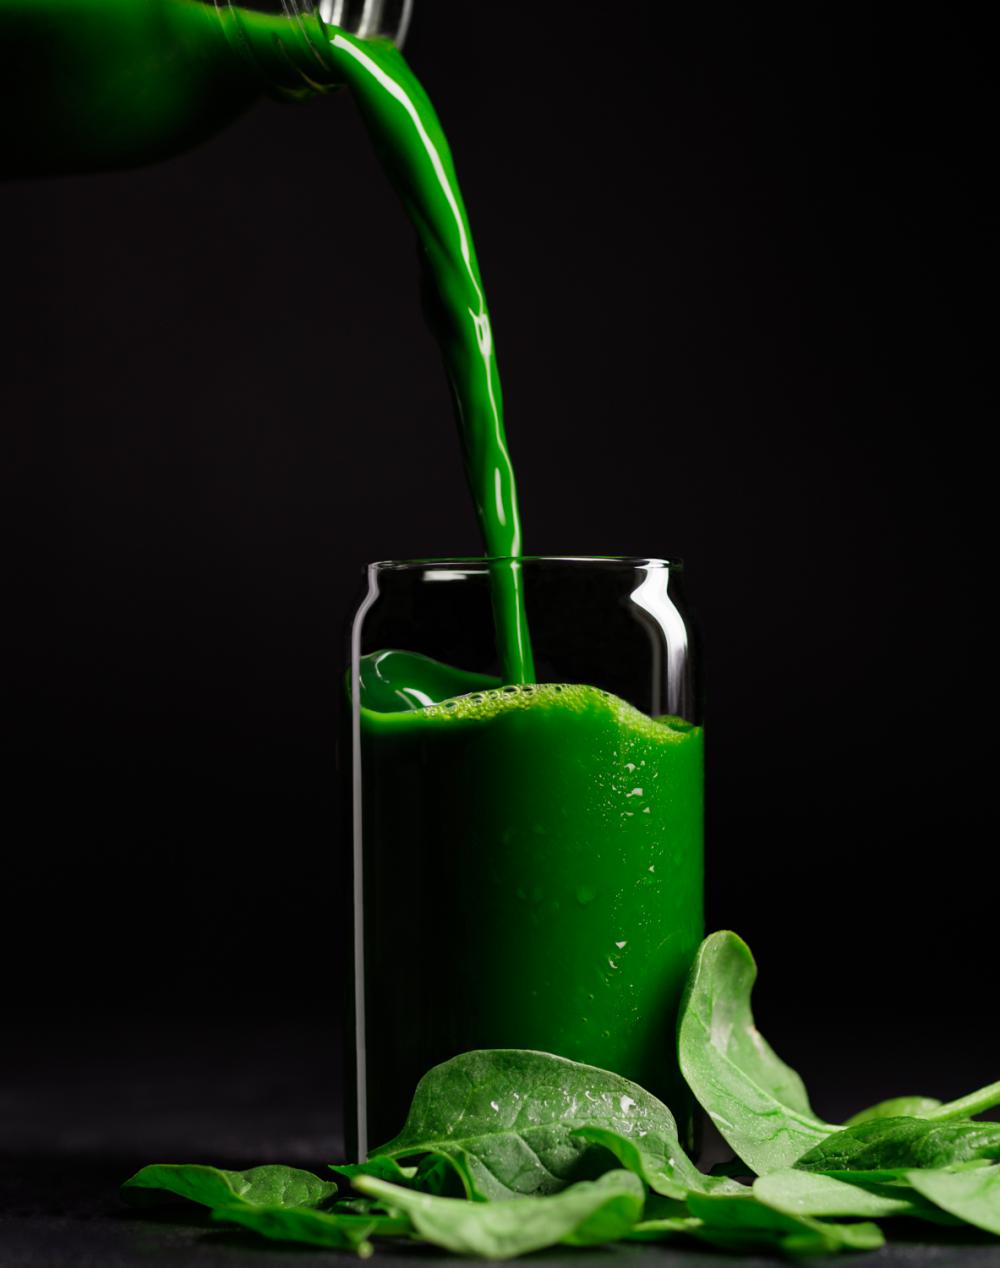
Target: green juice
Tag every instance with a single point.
(533, 879)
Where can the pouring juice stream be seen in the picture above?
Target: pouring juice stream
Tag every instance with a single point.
(408, 136)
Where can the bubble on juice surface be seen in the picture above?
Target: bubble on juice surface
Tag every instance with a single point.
(564, 698)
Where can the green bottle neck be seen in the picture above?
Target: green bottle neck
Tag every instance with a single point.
(287, 42)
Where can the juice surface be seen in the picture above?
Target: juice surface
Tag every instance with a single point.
(532, 878)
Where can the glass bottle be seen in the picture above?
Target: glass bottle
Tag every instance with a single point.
(94, 84)
(527, 861)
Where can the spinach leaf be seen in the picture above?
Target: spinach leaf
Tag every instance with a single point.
(438, 1174)
(585, 1214)
(383, 1168)
(314, 1228)
(973, 1196)
(353, 1206)
(260, 1186)
(758, 1103)
(665, 1229)
(435, 1174)
(885, 1147)
(986, 1098)
(661, 1208)
(802, 1193)
(898, 1107)
(928, 1107)
(734, 1220)
(506, 1120)
(660, 1162)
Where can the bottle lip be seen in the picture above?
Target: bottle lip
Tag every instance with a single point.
(299, 65)
(404, 23)
(366, 19)
(482, 563)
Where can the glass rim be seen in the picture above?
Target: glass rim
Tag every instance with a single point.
(485, 561)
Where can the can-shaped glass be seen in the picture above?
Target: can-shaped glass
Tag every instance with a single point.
(527, 859)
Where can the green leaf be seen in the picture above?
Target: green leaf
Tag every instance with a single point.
(314, 1228)
(978, 1102)
(212, 1187)
(741, 1223)
(802, 1193)
(664, 1230)
(381, 1168)
(898, 1107)
(758, 1103)
(885, 1147)
(435, 1174)
(661, 1208)
(506, 1120)
(973, 1196)
(743, 1220)
(438, 1174)
(660, 1162)
(354, 1206)
(585, 1214)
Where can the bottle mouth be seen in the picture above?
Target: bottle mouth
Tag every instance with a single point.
(368, 19)
(287, 41)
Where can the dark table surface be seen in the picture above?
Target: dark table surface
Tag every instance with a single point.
(83, 1108)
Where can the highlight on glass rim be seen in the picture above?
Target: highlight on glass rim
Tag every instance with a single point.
(544, 1044)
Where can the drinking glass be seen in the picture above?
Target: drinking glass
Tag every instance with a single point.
(527, 859)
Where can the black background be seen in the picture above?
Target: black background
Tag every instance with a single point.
(736, 259)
